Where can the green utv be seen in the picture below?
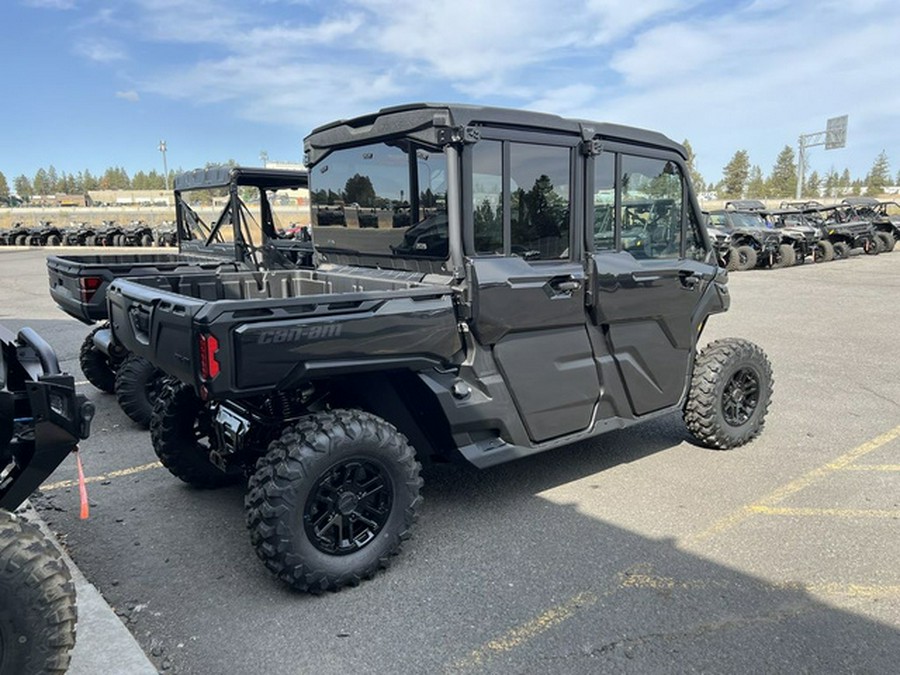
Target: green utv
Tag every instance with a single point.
(519, 281)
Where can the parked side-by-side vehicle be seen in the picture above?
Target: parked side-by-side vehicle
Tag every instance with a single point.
(520, 281)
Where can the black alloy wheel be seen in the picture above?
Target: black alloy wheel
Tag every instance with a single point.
(740, 397)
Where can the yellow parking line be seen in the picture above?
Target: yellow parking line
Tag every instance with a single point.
(838, 513)
(524, 632)
(96, 479)
(872, 467)
(785, 491)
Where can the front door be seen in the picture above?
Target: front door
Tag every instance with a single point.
(528, 281)
(650, 272)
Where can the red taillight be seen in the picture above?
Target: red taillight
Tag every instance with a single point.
(88, 287)
(209, 365)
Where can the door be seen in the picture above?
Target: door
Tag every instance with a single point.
(650, 272)
(528, 284)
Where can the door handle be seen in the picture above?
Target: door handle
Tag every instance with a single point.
(565, 284)
(690, 280)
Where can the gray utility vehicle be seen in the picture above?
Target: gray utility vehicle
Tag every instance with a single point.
(805, 239)
(753, 242)
(843, 231)
(78, 283)
(884, 216)
(41, 421)
(521, 334)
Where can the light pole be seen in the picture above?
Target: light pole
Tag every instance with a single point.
(834, 136)
(162, 149)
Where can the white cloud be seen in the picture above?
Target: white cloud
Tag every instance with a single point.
(130, 95)
(100, 50)
(50, 4)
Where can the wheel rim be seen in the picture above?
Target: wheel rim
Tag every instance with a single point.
(740, 397)
(348, 506)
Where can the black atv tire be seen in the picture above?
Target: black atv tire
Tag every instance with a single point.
(873, 247)
(90, 240)
(824, 251)
(146, 240)
(138, 384)
(95, 365)
(731, 263)
(887, 241)
(786, 257)
(746, 258)
(37, 602)
(21, 240)
(730, 392)
(841, 250)
(53, 240)
(324, 467)
(182, 436)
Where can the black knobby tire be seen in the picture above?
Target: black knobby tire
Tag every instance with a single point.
(90, 240)
(312, 484)
(21, 240)
(746, 258)
(887, 241)
(873, 246)
(731, 388)
(824, 251)
(146, 240)
(138, 385)
(95, 365)
(37, 602)
(785, 257)
(841, 250)
(731, 259)
(182, 435)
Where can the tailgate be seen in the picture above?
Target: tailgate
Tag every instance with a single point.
(78, 284)
(155, 324)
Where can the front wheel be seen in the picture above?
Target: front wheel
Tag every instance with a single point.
(746, 258)
(37, 602)
(841, 250)
(332, 500)
(730, 392)
(887, 241)
(785, 257)
(824, 251)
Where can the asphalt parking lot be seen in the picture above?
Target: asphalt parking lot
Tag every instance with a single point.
(635, 552)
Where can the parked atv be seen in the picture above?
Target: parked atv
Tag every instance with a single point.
(45, 234)
(109, 233)
(512, 333)
(166, 234)
(138, 233)
(844, 231)
(41, 421)
(17, 235)
(805, 239)
(77, 234)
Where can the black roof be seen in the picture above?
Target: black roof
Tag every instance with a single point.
(423, 120)
(860, 201)
(223, 176)
(745, 205)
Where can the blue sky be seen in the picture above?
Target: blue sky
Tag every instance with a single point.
(97, 83)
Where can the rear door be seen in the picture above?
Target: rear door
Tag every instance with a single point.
(649, 273)
(528, 278)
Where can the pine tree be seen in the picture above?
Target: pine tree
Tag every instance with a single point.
(756, 186)
(782, 181)
(52, 180)
(23, 187)
(4, 187)
(40, 182)
(879, 175)
(843, 184)
(734, 176)
(696, 178)
(811, 189)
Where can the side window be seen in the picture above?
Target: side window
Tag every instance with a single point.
(539, 200)
(650, 207)
(693, 239)
(604, 202)
(487, 196)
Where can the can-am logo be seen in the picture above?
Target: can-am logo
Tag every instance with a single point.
(299, 334)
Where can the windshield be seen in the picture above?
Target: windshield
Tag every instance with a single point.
(384, 199)
(748, 220)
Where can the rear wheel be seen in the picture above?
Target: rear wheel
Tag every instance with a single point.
(182, 434)
(729, 396)
(841, 250)
(53, 240)
(746, 258)
(95, 365)
(21, 240)
(824, 251)
(731, 259)
(785, 257)
(37, 602)
(873, 246)
(887, 241)
(138, 385)
(333, 499)
(147, 240)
